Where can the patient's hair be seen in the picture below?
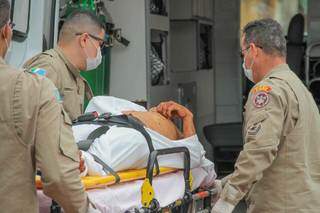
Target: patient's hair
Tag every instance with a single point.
(268, 34)
(80, 21)
(4, 12)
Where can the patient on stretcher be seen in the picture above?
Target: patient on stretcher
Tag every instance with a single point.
(124, 148)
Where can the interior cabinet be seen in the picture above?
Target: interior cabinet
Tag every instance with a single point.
(191, 45)
(191, 9)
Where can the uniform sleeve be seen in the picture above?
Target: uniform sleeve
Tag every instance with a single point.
(39, 62)
(57, 155)
(264, 118)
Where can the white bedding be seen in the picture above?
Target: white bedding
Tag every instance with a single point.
(124, 148)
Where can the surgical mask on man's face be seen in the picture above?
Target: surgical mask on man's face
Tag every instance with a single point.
(248, 72)
(93, 63)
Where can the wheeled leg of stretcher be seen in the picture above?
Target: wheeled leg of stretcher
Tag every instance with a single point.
(191, 202)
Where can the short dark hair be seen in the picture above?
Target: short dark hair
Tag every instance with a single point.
(267, 34)
(4, 12)
(80, 21)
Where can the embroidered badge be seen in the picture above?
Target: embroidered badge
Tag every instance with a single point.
(254, 129)
(57, 95)
(261, 89)
(39, 71)
(260, 99)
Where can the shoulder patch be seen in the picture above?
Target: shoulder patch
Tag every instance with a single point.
(39, 71)
(260, 99)
(262, 88)
(57, 95)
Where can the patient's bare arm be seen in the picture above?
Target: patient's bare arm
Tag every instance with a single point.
(171, 109)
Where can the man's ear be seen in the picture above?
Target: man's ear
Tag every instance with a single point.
(83, 39)
(254, 49)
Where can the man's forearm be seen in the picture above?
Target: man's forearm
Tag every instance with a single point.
(188, 127)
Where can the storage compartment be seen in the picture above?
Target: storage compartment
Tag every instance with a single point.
(191, 9)
(159, 7)
(205, 46)
(159, 57)
(191, 45)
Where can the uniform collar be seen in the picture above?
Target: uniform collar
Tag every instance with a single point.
(276, 69)
(2, 61)
(74, 70)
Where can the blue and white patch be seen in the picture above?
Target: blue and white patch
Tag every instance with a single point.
(39, 71)
(57, 95)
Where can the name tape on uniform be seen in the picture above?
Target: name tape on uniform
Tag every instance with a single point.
(262, 88)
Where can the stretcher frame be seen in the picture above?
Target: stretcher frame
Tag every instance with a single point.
(199, 201)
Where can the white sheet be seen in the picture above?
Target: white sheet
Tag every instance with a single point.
(125, 148)
(113, 105)
(119, 198)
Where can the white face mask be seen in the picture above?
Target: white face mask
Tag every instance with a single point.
(248, 72)
(93, 63)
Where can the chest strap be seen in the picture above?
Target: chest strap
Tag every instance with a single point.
(106, 122)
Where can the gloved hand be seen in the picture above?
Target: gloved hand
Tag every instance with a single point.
(222, 206)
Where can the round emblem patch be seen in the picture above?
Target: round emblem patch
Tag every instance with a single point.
(260, 99)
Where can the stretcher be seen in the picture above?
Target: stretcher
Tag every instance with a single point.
(147, 190)
(153, 189)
